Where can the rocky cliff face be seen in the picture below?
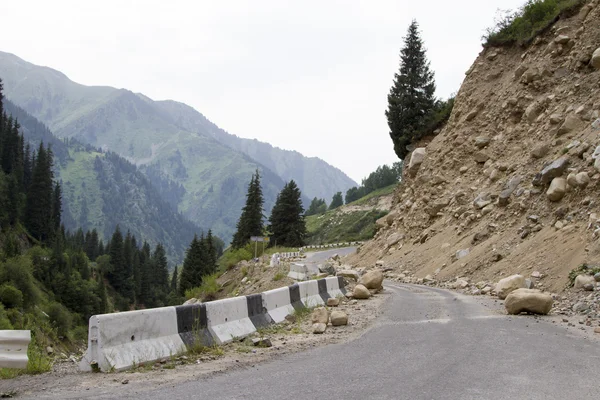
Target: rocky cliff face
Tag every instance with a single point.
(511, 184)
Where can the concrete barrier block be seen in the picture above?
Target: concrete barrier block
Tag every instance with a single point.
(278, 303)
(309, 294)
(118, 341)
(257, 312)
(228, 319)
(192, 325)
(336, 286)
(13, 348)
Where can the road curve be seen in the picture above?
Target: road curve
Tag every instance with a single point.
(429, 344)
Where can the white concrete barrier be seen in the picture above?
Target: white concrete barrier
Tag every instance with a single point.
(278, 303)
(302, 272)
(228, 319)
(13, 348)
(335, 286)
(118, 341)
(309, 294)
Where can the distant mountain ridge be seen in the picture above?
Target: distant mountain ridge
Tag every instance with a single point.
(167, 140)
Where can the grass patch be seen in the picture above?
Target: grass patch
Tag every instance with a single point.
(207, 291)
(534, 18)
(278, 276)
(378, 193)
(335, 227)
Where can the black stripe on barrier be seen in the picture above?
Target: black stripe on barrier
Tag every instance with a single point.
(342, 284)
(256, 312)
(192, 325)
(323, 290)
(295, 297)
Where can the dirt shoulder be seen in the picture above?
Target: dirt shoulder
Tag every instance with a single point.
(65, 381)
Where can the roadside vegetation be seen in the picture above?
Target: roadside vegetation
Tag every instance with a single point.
(532, 19)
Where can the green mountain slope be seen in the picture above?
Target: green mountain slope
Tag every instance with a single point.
(167, 141)
(101, 190)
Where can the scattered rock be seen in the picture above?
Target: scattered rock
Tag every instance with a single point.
(554, 170)
(193, 300)
(339, 318)
(597, 277)
(290, 318)
(372, 279)
(319, 328)
(125, 381)
(361, 292)
(582, 280)
(557, 189)
(505, 286)
(572, 122)
(348, 273)
(482, 200)
(462, 253)
(481, 157)
(540, 151)
(528, 300)
(333, 302)
(482, 141)
(416, 159)
(595, 61)
(49, 350)
(320, 315)
(582, 179)
(262, 342)
(529, 284)
(394, 239)
(536, 274)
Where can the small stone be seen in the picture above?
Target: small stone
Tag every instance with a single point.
(582, 179)
(339, 318)
(536, 274)
(481, 157)
(482, 141)
(319, 328)
(49, 350)
(597, 330)
(350, 274)
(551, 171)
(333, 302)
(589, 287)
(597, 277)
(125, 381)
(572, 122)
(262, 342)
(290, 318)
(557, 189)
(595, 61)
(540, 151)
(462, 253)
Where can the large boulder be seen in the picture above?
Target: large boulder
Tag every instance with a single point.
(557, 189)
(320, 315)
(551, 171)
(416, 159)
(528, 300)
(339, 318)
(361, 292)
(507, 285)
(583, 280)
(372, 279)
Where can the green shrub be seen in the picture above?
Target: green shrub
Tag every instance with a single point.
(231, 257)
(207, 291)
(4, 321)
(278, 276)
(531, 20)
(61, 318)
(18, 272)
(10, 296)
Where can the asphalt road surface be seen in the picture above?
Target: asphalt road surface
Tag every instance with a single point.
(322, 256)
(429, 344)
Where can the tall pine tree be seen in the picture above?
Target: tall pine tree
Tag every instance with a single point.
(251, 220)
(411, 99)
(287, 218)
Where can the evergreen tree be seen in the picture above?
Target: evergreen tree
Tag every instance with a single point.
(121, 275)
(39, 203)
(174, 280)
(317, 206)
(191, 271)
(211, 254)
(336, 201)
(287, 220)
(411, 99)
(56, 207)
(251, 220)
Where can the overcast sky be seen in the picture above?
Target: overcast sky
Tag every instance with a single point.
(307, 75)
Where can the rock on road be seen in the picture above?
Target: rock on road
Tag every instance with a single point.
(429, 344)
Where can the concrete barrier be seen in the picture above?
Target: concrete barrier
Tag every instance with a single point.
(118, 341)
(121, 340)
(13, 348)
(302, 272)
(310, 295)
(228, 319)
(278, 303)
